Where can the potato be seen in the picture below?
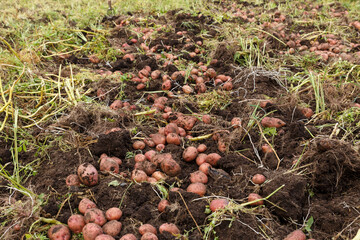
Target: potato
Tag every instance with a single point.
(182, 132)
(113, 213)
(117, 104)
(149, 142)
(218, 204)
(222, 145)
(158, 138)
(95, 215)
(160, 147)
(253, 197)
(72, 180)
(173, 138)
(150, 154)
(88, 174)
(86, 204)
(151, 180)
(159, 175)
(205, 168)
(190, 153)
(201, 158)
(198, 188)
(206, 119)
(138, 145)
(198, 176)
(158, 158)
(162, 205)
(213, 159)
(149, 236)
(227, 86)
(117, 160)
(112, 228)
(308, 112)
(258, 179)
(138, 175)
(139, 158)
(109, 165)
(272, 122)
(76, 223)
(59, 232)
(201, 148)
(170, 167)
(171, 128)
(104, 237)
(265, 148)
(296, 235)
(148, 167)
(236, 122)
(147, 228)
(91, 231)
(155, 74)
(128, 236)
(169, 227)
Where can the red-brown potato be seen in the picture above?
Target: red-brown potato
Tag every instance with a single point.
(173, 138)
(190, 153)
(162, 205)
(128, 236)
(95, 215)
(296, 235)
(198, 176)
(158, 138)
(170, 167)
(171, 128)
(148, 167)
(155, 74)
(205, 168)
(138, 145)
(151, 180)
(227, 86)
(258, 178)
(160, 147)
(201, 148)
(76, 223)
(308, 112)
(104, 237)
(201, 158)
(213, 159)
(169, 227)
(159, 175)
(149, 142)
(139, 158)
(109, 165)
(88, 174)
(218, 204)
(272, 122)
(117, 104)
(253, 197)
(138, 175)
(72, 180)
(59, 232)
(149, 236)
(265, 148)
(147, 228)
(86, 204)
(236, 122)
(187, 89)
(158, 158)
(91, 231)
(113, 213)
(150, 154)
(221, 145)
(198, 188)
(112, 228)
(206, 119)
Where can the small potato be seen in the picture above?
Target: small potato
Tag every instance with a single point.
(171, 128)
(147, 228)
(95, 215)
(166, 85)
(104, 237)
(201, 148)
(113, 213)
(198, 188)
(201, 158)
(59, 232)
(112, 228)
(236, 122)
(206, 119)
(253, 197)
(190, 153)
(265, 148)
(109, 165)
(218, 204)
(258, 179)
(160, 147)
(170, 167)
(227, 86)
(139, 158)
(149, 142)
(88, 174)
(117, 104)
(198, 176)
(138, 145)
(149, 236)
(296, 235)
(76, 223)
(72, 180)
(187, 89)
(150, 154)
(169, 227)
(162, 205)
(148, 167)
(128, 236)
(205, 168)
(159, 176)
(158, 138)
(213, 159)
(182, 132)
(86, 204)
(91, 231)
(138, 175)
(308, 112)
(151, 180)
(173, 138)
(155, 74)
(158, 158)
(272, 122)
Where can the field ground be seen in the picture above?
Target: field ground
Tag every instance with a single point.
(64, 63)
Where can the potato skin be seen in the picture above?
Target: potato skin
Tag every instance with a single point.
(76, 223)
(95, 215)
(72, 180)
(189, 154)
(198, 176)
(104, 237)
(147, 228)
(272, 122)
(218, 204)
(258, 178)
(170, 167)
(88, 174)
(296, 235)
(112, 228)
(59, 232)
(162, 205)
(109, 165)
(85, 204)
(149, 236)
(91, 231)
(128, 236)
(113, 214)
(169, 227)
(253, 197)
(198, 188)
(213, 159)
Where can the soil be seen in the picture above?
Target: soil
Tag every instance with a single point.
(324, 184)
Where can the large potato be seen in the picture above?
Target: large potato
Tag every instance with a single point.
(59, 232)
(88, 174)
(76, 223)
(95, 215)
(112, 228)
(85, 204)
(109, 165)
(170, 167)
(91, 231)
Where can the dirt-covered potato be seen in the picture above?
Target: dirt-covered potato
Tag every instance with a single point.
(85, 204)
(147, 228)
(104, 237)
(109, 165)
(88, 174)
(59, 232)
(128, 236)
(91, 231)
(76, 223)
(170, 167)
(72, 180)
(112, 228)
(169, 227)
(95, 215)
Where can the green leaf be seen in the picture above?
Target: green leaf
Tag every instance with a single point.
(308, 224)
(114, 183)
